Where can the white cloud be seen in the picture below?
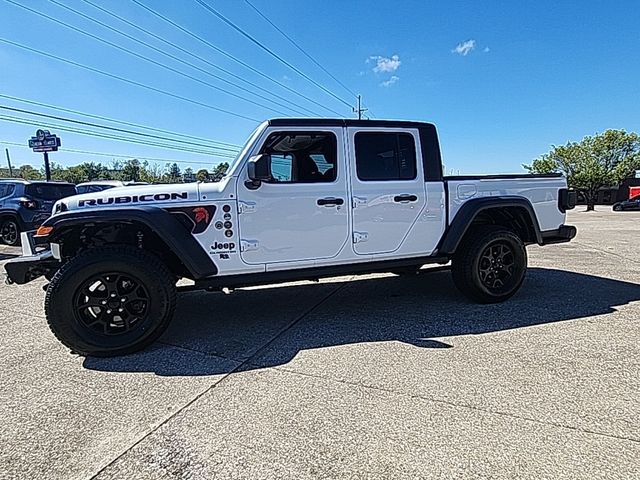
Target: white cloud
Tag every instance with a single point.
(465, 48)
(486, 50)
(393, 80)
(384, 64)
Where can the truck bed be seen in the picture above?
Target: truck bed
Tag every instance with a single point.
(541, 190)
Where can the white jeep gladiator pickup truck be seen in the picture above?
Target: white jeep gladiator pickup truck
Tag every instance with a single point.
(304, 199)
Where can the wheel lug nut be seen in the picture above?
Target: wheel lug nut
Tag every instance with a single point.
(123, 300)
(113, 294)
(108, 311)
(103, 302)
(121, 309)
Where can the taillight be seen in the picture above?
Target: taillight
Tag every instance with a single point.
(28, 203)
(567, 199)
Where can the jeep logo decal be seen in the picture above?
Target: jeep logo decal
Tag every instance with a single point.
(158, 197)
(223, 246)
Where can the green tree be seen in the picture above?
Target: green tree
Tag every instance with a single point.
(596, 161)
(151, 173)
(202, 175)
(28, 173)
(219, 171)
(172, 174)
(131, 171)
(188, 175)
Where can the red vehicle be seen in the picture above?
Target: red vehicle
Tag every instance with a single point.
(634, 192)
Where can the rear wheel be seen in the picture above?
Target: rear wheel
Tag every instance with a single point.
(490, 264)
(617, 208)
(9, 231)
(110, 301)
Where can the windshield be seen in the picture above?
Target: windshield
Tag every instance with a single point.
(49, 191)
(252, 138)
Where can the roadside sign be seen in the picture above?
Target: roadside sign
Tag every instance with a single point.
(44, 141)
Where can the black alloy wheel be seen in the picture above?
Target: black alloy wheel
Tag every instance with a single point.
(490, 264)
(110, 300)
(9, 232)
(111, 303)
(496, 266)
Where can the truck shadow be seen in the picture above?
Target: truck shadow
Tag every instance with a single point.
(213, 333)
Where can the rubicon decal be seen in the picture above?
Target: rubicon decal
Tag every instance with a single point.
(157, 197)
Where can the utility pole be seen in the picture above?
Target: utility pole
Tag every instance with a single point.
(9, 162)
(359, 110)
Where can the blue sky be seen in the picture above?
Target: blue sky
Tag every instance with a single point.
(502, 80)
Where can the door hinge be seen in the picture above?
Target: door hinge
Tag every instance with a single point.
(355, 201)
(248, 245)
(246, 207)
(359, 237)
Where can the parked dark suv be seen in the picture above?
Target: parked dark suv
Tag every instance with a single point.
(25, 205)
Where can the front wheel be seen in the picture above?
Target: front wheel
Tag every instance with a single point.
(490, 264)
(110, 301)
(9, 232)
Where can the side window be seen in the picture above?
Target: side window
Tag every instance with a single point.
(7, 189)
(282, 167)
(302, 157)
(385, 156)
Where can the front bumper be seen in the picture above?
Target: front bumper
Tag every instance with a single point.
(563, 234)
(32, 264)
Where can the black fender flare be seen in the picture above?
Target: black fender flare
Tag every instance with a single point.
(168, 228)
(470, 210)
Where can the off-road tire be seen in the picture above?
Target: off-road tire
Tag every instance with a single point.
(151, 279)
(9, 232)
(472, 261)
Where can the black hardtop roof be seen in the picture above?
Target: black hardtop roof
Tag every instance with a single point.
(345, 122)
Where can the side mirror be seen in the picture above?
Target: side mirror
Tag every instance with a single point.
(259, 168)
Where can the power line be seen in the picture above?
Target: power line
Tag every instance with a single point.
(178, 59)
(269, 51)
(105, 127)
(198, 57)
(231, 57)
(295, 44)
(126, 80)
(112, 120)
(26, 121)
(103, 154)
(142, 57)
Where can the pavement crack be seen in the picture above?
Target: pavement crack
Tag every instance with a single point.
(457, 405)
(602, 250)
(221, 379)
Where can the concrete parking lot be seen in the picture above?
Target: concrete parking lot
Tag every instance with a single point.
(370, 377)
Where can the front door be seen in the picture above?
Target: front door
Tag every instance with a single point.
(302, 213)
(388, 189)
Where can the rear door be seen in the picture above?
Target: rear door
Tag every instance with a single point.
(388, 189)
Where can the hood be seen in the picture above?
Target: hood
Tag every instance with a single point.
(123, 197)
